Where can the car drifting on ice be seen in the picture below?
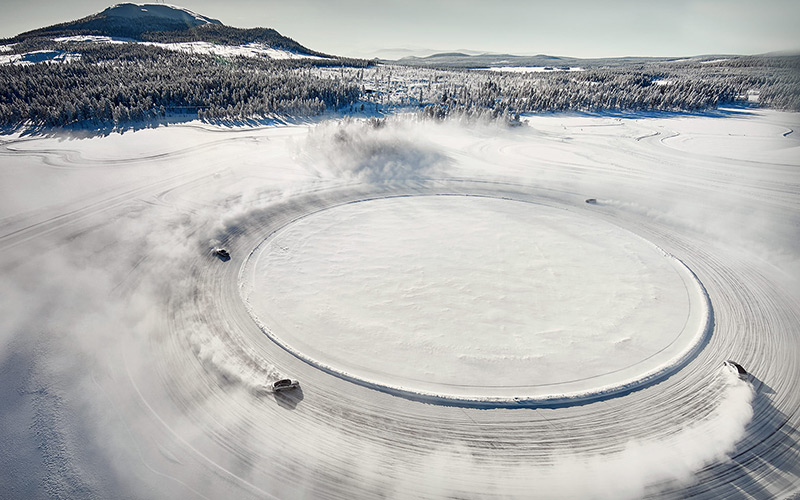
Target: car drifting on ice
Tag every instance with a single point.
(222, 253)
(736, 369)
(285, 384)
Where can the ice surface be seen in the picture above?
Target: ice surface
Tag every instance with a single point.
(131, 367)
(475, 297)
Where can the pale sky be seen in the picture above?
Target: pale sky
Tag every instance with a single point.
(579, 28)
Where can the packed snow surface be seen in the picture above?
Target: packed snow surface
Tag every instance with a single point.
(474, 297)
(133, 368)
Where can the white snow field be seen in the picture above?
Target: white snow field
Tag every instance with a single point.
(530, 69)
(462, 323)
(245, 50)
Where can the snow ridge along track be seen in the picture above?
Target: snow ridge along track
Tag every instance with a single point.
(665, 329)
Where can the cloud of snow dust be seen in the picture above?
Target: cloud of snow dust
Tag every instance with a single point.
(376, 151)
(67, 315)
(92, 312)
(677, 458)
(642, 466)
(233, 364)
(83, 320)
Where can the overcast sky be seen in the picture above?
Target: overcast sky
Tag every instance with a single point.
(580, 28)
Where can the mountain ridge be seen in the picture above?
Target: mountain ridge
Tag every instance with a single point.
(173, 13)
(164, 23)
(460, 60)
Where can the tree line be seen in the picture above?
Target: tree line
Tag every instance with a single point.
(772, 83)
(117, 84)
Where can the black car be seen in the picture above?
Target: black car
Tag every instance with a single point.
(222, 253)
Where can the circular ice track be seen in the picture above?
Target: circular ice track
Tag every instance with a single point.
(336, 439)
(475, 298)
(333, 439)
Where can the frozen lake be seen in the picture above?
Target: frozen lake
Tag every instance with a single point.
(475, 297)
(407, 276)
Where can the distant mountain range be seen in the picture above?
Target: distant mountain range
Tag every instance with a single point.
(460, 60)
(162, 23)
(79, 74)
(170, 24)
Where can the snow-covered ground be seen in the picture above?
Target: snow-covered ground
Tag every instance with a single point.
(93, 39)
(530, 69)
(37, 56)
(133, 368)
(58, 56)
(246, 50)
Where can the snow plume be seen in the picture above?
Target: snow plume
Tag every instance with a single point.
(83, 325)
(232, 364)
(677, 458)
(67, 319)
(376, 151)
(641, 467)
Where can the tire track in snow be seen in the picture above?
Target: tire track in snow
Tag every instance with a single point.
(207, 361)
(753, 325)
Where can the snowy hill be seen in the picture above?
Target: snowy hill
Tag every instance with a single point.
(162, 23)
(158, 13)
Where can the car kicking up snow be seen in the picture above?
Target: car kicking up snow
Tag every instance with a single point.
(285, 384)
(736, 369)
(222, 253)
